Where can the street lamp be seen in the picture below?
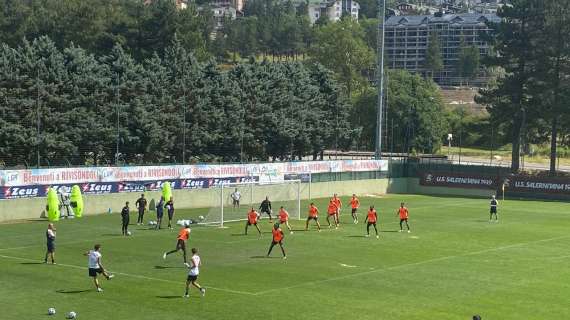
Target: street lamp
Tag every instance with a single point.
(380, 75)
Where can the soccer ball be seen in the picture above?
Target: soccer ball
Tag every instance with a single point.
(128, 233)
(71, 315)
(51, 311)
(201, 218)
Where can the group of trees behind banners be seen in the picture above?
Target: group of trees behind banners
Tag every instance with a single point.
(72, 107)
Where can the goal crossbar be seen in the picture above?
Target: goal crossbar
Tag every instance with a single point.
(287, 193)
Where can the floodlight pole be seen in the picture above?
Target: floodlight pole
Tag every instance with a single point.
(380, 76)
(118, 97)
(38, 119)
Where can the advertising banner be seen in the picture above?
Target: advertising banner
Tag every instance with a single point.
(546, 185)
(459, 180)
(100, 180)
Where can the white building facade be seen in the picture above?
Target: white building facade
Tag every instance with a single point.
(333, 9)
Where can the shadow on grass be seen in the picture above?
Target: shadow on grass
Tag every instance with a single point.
(73, 291)
(112, 235)
(383, 231)
(167, 267)
(31, 263)
(169, 297)
(355, 236)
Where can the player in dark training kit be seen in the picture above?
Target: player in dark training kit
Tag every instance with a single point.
(170, 209)
(493, 209)
(265, 207)
(159, 212)
(50, 238)
(125, 219)
(141, 206)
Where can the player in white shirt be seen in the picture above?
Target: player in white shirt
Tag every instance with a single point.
(95, 266)
(236, 196)
(194, 271)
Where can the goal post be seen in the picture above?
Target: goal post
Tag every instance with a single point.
(285, 194)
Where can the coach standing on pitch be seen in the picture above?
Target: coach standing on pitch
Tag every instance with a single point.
(141, 205)
(125, 219)
(50, 237)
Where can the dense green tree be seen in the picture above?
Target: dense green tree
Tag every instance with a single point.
(468, 63)
(554, 54)
(341, 47)
(415, 114)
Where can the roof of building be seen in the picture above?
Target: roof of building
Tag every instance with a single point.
(464, 19)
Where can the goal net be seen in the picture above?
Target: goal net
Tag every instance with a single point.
(285, 194)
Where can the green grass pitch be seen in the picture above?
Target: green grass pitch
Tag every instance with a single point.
(454, 264)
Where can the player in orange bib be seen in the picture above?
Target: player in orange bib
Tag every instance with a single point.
(313, 215)
(278, 237)
(284, 219)
(332, 211)
(354, 204)
(371, 219)
(403, 212)
(338, 204)
(252, 217)
(183, 236)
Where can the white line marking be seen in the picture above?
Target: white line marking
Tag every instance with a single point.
(131, 275)
(522, 244)
(347, 265)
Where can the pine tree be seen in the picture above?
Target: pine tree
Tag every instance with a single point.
(512, 101)
(434, 61)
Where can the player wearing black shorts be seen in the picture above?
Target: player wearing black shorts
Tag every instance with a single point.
(95, 266)
(159, 212)
(313, 215)
(193, 272)
(265, 207)
(277, 239)
(125, 219)
(252, 217)
(50, 237)
(183, 236)
(493, 209)
(371, 220)
(170, 209)
(141, 206)
(236, 197)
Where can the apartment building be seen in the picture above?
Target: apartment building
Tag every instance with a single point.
(407, 39)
